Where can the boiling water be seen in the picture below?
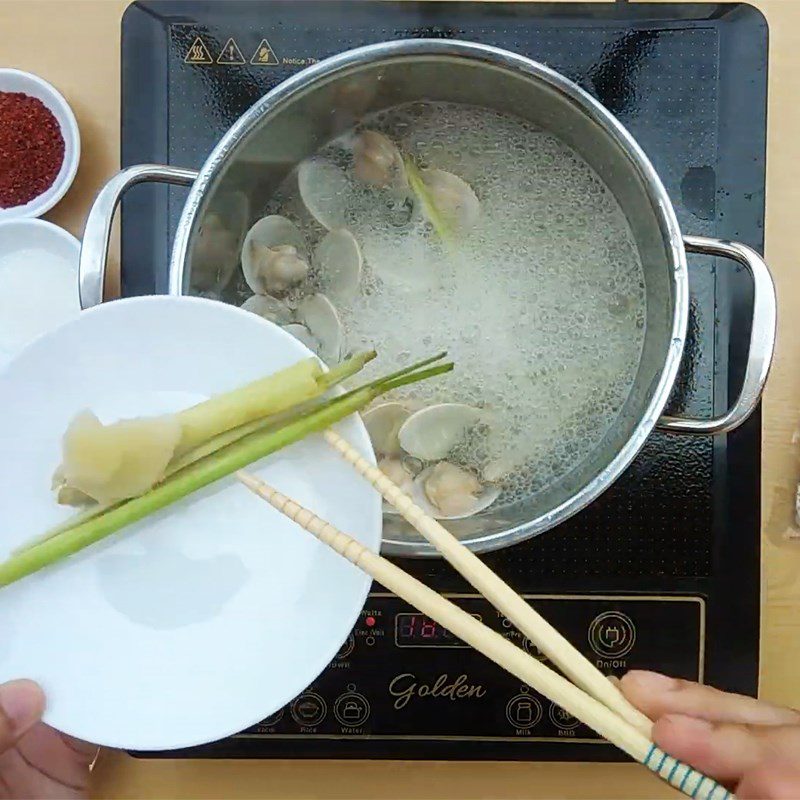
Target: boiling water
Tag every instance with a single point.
(541, 305)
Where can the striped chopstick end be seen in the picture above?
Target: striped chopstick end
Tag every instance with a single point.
(687, 780)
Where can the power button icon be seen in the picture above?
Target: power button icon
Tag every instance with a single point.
(612, 634)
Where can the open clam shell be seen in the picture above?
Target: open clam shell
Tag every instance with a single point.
(397, 471)
(383, 423)
(454, 199)
(318, 315)
(273, 255)
(303, 334)
(431, 433)
(447, 491)
(269, 307)
(275, 230)
(377, 161)
(338, 261)
(326, 191)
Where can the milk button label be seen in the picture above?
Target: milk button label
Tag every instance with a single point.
(523, 711)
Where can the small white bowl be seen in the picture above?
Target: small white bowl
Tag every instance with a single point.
(15, 80)
(25, 314)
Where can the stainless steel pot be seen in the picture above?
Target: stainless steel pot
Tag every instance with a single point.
(300, 115)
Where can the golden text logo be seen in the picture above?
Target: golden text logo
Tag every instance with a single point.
(406, 687)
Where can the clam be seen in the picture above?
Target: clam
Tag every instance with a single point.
(382, 423)
(274, 231)
(215, 255)
(273, 270)
(325, 190)
(273, 256)
(303, 335)
(399, 475)
(447, 491)
(377, 161)
(212, 250)
(352, 98)
(431, 433)
(268, 307)
(453, 198)
(318, 315)
(338, 261)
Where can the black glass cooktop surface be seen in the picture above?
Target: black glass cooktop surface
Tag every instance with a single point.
(671, 551)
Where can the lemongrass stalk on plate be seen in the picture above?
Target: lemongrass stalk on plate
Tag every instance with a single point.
(265, 397)
(110, 463)
(180, 463)
(332, 378)
(326, 381)
(220, 464)
(268, 395)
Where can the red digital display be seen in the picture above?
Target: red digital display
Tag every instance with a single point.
(417, 630)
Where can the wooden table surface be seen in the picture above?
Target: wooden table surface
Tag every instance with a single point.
(75, 45)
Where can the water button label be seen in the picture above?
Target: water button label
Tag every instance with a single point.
(612, 634)
(351, 709)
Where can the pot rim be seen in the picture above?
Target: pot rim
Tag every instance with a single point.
(662, 207)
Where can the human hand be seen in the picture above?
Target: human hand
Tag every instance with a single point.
(36, 762)
(750, 746)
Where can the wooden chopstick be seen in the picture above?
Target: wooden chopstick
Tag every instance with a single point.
(513, 659)
(526, 619)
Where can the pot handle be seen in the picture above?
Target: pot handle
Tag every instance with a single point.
(97, 233)
(762, 338)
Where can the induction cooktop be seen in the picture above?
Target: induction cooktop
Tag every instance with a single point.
(662, 571)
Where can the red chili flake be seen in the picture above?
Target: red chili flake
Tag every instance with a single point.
(31, 148)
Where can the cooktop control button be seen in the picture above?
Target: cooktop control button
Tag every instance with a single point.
(309, 709)
(529, 647)
(562, 719)
(273, 719)
(612, 634)
(523, 711)
(351, 709)
(347, 647)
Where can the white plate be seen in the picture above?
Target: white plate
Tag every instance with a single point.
(203, 620)
(15, 80)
